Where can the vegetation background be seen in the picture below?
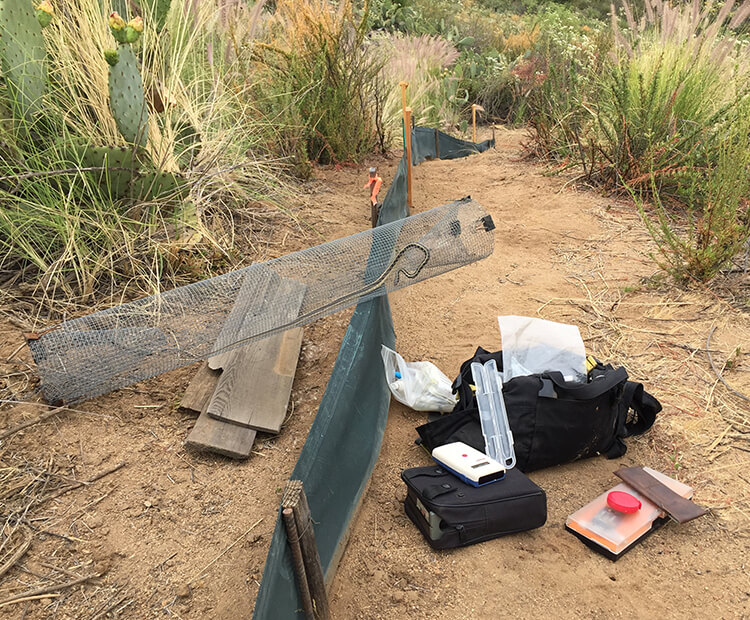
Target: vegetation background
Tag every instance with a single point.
(107, 194)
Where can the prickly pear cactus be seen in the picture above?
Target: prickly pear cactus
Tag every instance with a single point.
(159, 185)
(119, 166)
(157, 10)
(23, 56)
(126, 97)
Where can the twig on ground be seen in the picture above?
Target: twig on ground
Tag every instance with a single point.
(163, 562)
(23, 425)
(12, 355)
(110, 607)
(47, 590)
(716, 372)
(82, 483)
(216, 559)
(16, 556)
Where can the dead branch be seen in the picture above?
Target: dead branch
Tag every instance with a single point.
(16, 556)
(23, 425)
(25, 596)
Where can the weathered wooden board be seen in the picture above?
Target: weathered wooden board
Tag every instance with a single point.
(254, 388)
(198, 394)
(228, 439)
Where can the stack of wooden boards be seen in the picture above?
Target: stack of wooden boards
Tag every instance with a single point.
(246, 390)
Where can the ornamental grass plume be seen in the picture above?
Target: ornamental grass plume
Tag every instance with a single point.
(421, 61)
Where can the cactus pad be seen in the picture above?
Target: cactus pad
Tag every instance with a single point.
(162, 185)
(23, 56)
(126, 98)
(119, 165)
(156, 10)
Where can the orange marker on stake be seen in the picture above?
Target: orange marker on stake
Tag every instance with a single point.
(374, 184)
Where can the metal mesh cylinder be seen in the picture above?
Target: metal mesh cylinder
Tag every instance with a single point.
(107, 350)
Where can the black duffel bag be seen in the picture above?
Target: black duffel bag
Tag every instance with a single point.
(553, 421)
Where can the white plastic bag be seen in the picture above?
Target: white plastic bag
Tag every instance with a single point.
(532, 346)
(419, 385)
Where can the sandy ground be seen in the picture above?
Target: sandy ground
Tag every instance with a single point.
(176, 533)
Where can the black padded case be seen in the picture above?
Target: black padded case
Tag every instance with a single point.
(451, 513)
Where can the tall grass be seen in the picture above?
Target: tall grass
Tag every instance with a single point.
(714, 227)
(318, 80)
(663, 115)
(422, 61)
(63, 228)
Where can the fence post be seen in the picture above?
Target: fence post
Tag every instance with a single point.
(474, 107)
(407, 126)
(404, 85)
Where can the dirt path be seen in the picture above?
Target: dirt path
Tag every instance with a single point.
(566, 256)
(162, 531)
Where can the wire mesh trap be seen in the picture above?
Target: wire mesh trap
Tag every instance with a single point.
(101, 352)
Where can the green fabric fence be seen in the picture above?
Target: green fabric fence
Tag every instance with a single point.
(344, 441)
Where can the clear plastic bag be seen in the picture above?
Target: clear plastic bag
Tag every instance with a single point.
(533, 346)
(419, 385)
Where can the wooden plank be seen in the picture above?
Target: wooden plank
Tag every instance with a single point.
(198, 394)
(250, 302)
(228, 439)
(254, 388)
(220, 361)
(679, 508)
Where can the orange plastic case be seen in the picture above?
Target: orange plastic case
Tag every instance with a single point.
(611, 532)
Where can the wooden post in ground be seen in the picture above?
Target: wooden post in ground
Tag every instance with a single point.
(287, 515)
(404, 86)
(407, 125)
(295, 499)
(474, 122)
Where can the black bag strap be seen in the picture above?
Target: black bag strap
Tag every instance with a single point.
(435, 490)
(645, 408)
(643, 404)
(587, 391)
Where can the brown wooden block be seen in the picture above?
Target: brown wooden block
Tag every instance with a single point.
(228, 439)
(679, 508)
(198, 394)
(256, 382)
(254, 388)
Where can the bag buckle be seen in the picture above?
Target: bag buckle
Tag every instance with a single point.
(548, 389)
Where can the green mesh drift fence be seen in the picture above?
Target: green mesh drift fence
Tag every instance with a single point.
(345, 438)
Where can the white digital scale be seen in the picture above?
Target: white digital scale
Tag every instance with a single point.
(468, 464)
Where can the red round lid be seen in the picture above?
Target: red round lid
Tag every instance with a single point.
(623, 502)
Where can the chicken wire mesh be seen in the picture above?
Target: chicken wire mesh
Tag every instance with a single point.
(98, 353)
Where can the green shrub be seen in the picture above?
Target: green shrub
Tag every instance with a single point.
(699, 239)
(83, 229)
(662, 114)
(318, 79)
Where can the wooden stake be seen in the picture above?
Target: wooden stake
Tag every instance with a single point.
(299, 564)
(474, 122)
(407, 128)
(404, 86)
(294, 498)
